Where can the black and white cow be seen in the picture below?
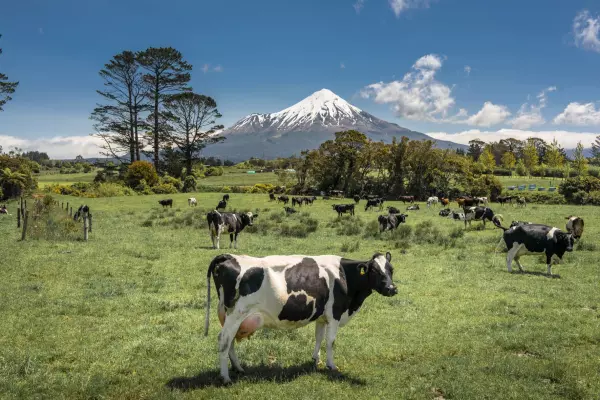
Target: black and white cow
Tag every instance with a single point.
(374, 203)
(192, 202)
(482, 214)
(309, 200)
(575, 226)
(165, 203)
(390, 221)
(445, 212)
(225, 197)
(82, 211)
(289, 292)
(3, 209)
(518, 223)
(283, 199)
(393, 210)
(297, 201)
(289, 210)
(233, 223)
(271, 197)
(536, 239)
(414, 207)
(343, 209)
(222, 205)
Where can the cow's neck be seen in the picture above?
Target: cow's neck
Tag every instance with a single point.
(357, 284)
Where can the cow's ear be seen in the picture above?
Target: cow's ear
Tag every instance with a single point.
(388, 256)
(363, 269)
(255, 216)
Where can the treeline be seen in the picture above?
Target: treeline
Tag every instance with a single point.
(146, 102)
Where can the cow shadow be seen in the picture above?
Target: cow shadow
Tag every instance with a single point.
(256, 374)
(537, 273)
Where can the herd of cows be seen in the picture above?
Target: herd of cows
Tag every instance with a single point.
(288, 292)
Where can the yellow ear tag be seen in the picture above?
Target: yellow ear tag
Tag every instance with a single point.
(362, 271)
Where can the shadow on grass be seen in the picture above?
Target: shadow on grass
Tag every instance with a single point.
(259, 373)
(537, 273)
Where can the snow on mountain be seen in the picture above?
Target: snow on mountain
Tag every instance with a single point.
(305, 125)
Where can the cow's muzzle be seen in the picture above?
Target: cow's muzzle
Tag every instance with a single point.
(390, 291)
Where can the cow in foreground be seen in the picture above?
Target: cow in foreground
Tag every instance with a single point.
(390, 221)
(192, 202)
(233, 223)
(536, 239)
(575, 226)
(393, 210)
(289, 292)
(165, 203)
(343, 209)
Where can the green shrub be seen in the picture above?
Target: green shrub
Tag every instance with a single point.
(426, 232)
(143, 187)
(593, 198)
(214, 171)
(543, 197)
(164, 188)
(569, 187)
(141, 170)
(296, 230)
(502, 172)
(110, 189)
(169, 180)
(189, 184)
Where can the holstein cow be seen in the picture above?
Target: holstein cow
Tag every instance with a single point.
(535, 239)
(393, 210)
(222, 205)
(284, 199)
(432, 200)
(445, 212)
(404, 199)
(575, 226)
(233, 223)
(343, 209)
(505, 199)
(297, 201)
(374, 202)
(413, 207)
(289, 292)
(225, 197)
(390, 221)
(289, 210)
(165, 203)
(309, 200)
(3, 210)
(482, 201)
(192, 201)
(479, 214)
(82, 211)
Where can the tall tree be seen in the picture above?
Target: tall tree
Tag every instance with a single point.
(513, 145)
(119, 122)
(508, 160)
(530, 156)
(554, 158)
(166, 73)
(6, 88)
(580, 163)
(192, 120)
(541, 147)
(596, 150)
(475, 149)
(487, 158)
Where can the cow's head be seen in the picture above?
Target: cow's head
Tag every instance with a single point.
(248, 218)
(402, 217)
(380, 273)
(575, 226)
(565, 239)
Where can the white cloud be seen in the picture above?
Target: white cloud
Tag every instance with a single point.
(579, 114)
(399, 6)
(59, 147)
(468, 70)
(218, 68)
(418, 95)
(205, 68)
(342, 65)
(490, 114)
(566, 139)
(531, 114)
(358, 5)
(586, 30)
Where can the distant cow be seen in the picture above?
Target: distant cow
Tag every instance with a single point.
(521, 202)
(192, 201)
(230, 222)
(3, 209)
(225, 197)
(575, 226)
(356, 198)
(297, 201)
(222, 205)
(536, 239)
(271, 197)
(483, 201)
(393, 210)
(309, 200)
(466, 201)
(445, 212)
(444, 201)
(373, 203)
(414, 207)
(432, 200)
(284, 292)
(405, 199)
(289, 210)
(82, 211)
(390, 221)
(343, 209)
(283, 199)
(482, 214)
(165, 203)
(505, 199)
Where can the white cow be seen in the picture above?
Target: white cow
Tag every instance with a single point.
(192, 201)
(432, 200)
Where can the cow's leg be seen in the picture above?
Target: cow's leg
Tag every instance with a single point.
(218, 237)
(512, 252)
(319, 334)
(549, 263)
(235, 362)
(332, 328)
(226, 336)
(235, 241)
(212, 238)
(230, 239)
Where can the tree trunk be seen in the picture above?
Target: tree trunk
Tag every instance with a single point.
(156, 93)
(137, 139)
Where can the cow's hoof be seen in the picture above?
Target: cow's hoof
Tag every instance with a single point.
(239, 370)
(226, 381)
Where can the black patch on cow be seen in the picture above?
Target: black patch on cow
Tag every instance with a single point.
(304, 276)
(251, 281)
(351, 290)
(226, 272)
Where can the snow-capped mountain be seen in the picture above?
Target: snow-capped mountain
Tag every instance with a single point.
(305, 125)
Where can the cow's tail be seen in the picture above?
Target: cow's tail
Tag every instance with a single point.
(211, 269)
(497, 221)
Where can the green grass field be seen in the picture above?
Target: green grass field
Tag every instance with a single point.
(121, 316)
(47, 179)
(236, 177)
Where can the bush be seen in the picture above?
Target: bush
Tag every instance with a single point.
(169, 180)
(214, 171)
(571, 187)
(593, 198)
(502, 172)
(100, 177)
(425, 232)
(143, 187)
(543, 197)
(164, 188)
(520, 169)
(350, 246)
(189, 184)
(112, 190)
(139, 170)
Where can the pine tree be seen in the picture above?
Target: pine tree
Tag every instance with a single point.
(508, 160)
(530, 156)
(554, 158)
(6, 88)
(487, 159)
(596, 150)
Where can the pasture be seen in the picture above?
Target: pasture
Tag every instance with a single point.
(47, 178)
(121, 316)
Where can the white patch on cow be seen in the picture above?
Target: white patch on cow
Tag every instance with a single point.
(550, 234)
(381, 262)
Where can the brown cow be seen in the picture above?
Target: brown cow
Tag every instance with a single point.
(444, 201)
(404, 199)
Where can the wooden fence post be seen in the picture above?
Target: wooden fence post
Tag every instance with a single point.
(71, 212)
(18, 217)
(62, 205)
(25, 218)
(85, 228)
(90, 223)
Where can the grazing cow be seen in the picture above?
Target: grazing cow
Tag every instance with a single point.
(444, 201)
(82, 211)
(405, 199)
(297, 201)
(3, 210)
(284, 199)
(393, 210)
(445, 212)
(289, 210)
(483, 201)
(390, 221)
(343, 209)
(222, 205)
(309, 200)
(271, 197)
(289, 292)
(233, 223)
(165, 203)
(192, 201)
(356, 198)
(575, 226)
(505, 199)
(225, 197)
(414, 207)
(521, 202)
(466, 201)
(432, 200)
(536, 239)
(374, 202)
(481, 214)
(519, 223)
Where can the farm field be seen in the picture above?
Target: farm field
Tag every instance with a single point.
(237, 177)
(122, 315)
(47, 179)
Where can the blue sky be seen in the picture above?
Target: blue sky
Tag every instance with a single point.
(487, 58)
